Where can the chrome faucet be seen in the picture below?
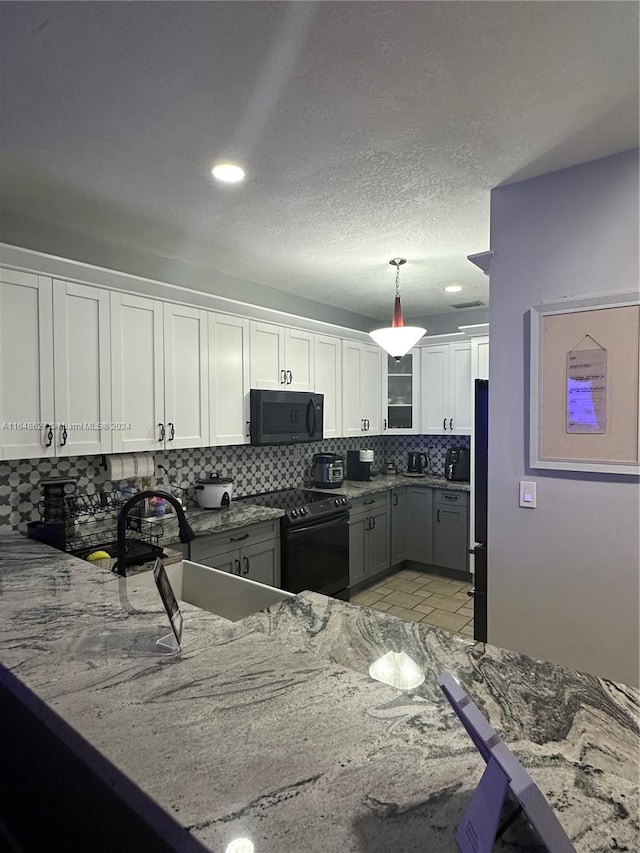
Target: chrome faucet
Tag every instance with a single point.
(185, 531)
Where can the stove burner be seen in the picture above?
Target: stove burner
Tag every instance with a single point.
(301, 505)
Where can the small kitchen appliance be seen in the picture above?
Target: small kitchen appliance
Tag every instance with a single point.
(214, 492)
(359, 464)
(417, 463)
(456, 466)
(285, 417)
(327, 470)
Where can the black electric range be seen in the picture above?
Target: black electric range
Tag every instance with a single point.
(314, 536)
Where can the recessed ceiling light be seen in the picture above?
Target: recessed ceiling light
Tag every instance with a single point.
(229, 173)
(453, 288)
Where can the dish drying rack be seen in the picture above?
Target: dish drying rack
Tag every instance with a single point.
(81, 524)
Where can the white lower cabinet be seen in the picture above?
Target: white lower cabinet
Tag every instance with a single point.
(251, 552)
(369, 538)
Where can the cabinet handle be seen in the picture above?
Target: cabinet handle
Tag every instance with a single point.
(248, 433)
(49, 435)
(373, 522)
(236, 564)
(162, 432)
(63, 435)
(247, 565)
(283, 377)
(289, 377)
(238, 538)
(395, 500)
(366, 420)
(450, 423)
(450, 497)
(438, 516)
(172, 431)
(368, 524)
(384, 424)
(366, 503)
(444, 423)
(361, 424)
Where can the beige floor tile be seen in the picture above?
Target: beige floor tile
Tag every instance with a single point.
(444, 602)
(381, 605)
(405, 613)
(409, 574)
(459, 586)
(424, 607)
(380, 590)
(403, 599)
(366, 598)
(462, 597)
(380, 583)
(440, 587)
(443, 619)
(404, 585)
(466, 630)
(466, 610)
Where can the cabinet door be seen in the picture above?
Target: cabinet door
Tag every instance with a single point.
(419, 525)
(228, 379)
(435, 387)
(352, 418)
(298, 360)
(480, 358)
(357, 533)
(81, 348)
(328, 381)
(377, 553)
(228, 561)
(26, 366)
(267, 356)
(459, 416)
(451, 538)
(371, 389)
(261, 562)
(186, 377)
(398, 525)
(137, 372)
(401, 392)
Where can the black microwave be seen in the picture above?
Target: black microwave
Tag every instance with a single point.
(285, 417)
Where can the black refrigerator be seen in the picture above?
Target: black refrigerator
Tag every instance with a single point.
(479, 550)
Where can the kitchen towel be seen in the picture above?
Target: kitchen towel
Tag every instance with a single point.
(130, 466)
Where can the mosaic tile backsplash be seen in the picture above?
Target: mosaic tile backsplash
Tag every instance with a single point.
(253, 469)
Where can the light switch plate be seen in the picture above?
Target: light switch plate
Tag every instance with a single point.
(527, 495)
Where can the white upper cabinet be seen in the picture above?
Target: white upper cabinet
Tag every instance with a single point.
(186, 376)
(401, 393)
(480, 357)
(446, 389)
(137, 373)
(81, 348)
(55, 385)
(361, 389)
(27, 417)
(228, 379)
(281, 358)
(160, 374)
(328, 381)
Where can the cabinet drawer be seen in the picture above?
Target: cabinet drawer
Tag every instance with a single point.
(451, 498)
(219, 543)
(369, 504)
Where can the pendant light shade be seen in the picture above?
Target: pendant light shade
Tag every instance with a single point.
(397, 339)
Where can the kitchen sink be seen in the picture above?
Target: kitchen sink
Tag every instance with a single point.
(218, 592)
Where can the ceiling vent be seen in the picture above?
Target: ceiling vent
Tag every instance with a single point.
(469, 305)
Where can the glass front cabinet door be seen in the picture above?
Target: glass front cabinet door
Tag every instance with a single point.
(402, 404)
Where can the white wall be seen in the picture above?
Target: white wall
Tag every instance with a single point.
(563, 578)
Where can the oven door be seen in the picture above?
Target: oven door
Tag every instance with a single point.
(315, 556)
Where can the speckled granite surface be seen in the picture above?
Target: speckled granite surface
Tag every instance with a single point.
(271, 739)
(386, 482)
(212, 521)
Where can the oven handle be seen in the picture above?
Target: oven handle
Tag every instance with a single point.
(311, 410)
(293, 532)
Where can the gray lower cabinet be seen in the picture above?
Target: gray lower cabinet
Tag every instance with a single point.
(398, 525)
(369, 538)
(451, 530)
(251, 552)
(419, 524)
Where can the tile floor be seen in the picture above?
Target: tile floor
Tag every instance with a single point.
(421, 597)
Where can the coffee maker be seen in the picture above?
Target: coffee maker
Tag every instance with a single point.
(359, 464)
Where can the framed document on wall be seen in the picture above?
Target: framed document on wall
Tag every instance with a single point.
(585, 385)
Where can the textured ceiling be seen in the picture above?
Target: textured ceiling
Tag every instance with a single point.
(368, 130)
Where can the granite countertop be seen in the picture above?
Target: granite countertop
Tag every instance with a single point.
(212, 521)
(385, 482)
(276, 732)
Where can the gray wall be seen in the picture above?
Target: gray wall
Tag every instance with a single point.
(563, 578)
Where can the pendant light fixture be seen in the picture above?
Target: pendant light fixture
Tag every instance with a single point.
(397, 339)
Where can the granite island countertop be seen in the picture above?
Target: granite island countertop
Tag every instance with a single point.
(277, 733)
(385, 482)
